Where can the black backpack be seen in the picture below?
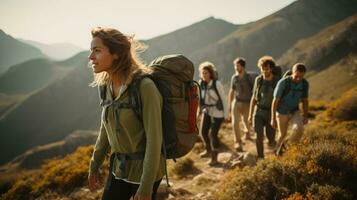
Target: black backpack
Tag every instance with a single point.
(260, 84)
(277, 72)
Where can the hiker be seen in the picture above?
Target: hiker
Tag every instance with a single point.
(115, 63)
(239, 96)
(289, 92)
(261, 101)
(213, 108)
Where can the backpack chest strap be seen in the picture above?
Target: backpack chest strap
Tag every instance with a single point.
(115, 104)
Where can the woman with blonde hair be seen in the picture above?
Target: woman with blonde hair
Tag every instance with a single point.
(132, 173)
(213, 109)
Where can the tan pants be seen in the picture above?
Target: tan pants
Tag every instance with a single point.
(240, 112)
(283, 124)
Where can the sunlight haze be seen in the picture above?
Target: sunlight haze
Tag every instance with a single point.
(65, 21)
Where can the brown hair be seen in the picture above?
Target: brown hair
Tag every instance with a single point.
(266, 60)
(239, 60)
(210, 68)
(126, 48)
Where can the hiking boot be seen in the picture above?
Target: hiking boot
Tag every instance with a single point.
(260, 158)
(214, 158)
(205, 154)
(239, 149)
(247, 136)
(272, 144)
(280, 150)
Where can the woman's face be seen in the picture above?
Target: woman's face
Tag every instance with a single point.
(100, 57)
(205, 75)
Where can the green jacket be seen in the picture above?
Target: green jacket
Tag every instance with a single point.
(130, 135)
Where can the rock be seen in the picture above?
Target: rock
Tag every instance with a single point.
(224, 157)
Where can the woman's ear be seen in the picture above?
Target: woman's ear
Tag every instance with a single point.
(115, 56)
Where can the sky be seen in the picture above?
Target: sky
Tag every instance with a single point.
(70, 21)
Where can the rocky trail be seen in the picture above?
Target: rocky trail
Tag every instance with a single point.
(202, 181)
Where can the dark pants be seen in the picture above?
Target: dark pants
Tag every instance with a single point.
(209, 131)
(121, 190)
(261, 123)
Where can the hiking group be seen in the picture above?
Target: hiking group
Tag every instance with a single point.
(149, 113)
(261, 104)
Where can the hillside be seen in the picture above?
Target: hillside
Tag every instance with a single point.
(29, 76)
(57, 51)
(69, 104)
(327, 150)
(188, 39)
(275, 34)
(36, 74)
(14, 52)
(50, 114)
(7, 102)
(331, 58)
(35, 157)
(65, 105)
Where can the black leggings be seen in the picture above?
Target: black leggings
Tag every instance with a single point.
(121, 190)
(210, 137)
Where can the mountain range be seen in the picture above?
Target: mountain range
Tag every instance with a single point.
(57, 51)
(14, 51)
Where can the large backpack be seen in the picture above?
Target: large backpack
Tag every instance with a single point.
(173, 76)
(277, 71)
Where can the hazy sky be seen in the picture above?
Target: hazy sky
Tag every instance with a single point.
(54, 21)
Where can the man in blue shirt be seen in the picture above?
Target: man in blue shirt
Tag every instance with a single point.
(289, 92)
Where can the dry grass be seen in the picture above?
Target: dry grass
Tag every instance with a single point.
(182, 167)
(58, 175)
(322, 166)
(346, 107)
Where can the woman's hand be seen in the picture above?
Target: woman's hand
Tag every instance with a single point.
(94, 181)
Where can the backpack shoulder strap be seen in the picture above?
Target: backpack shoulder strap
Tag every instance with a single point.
(135, 96)
(201, 86)
(287, 86)
(216, 90)
(259, 86)
(102, 90)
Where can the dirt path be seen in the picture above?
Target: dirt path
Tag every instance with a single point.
(202, 182)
